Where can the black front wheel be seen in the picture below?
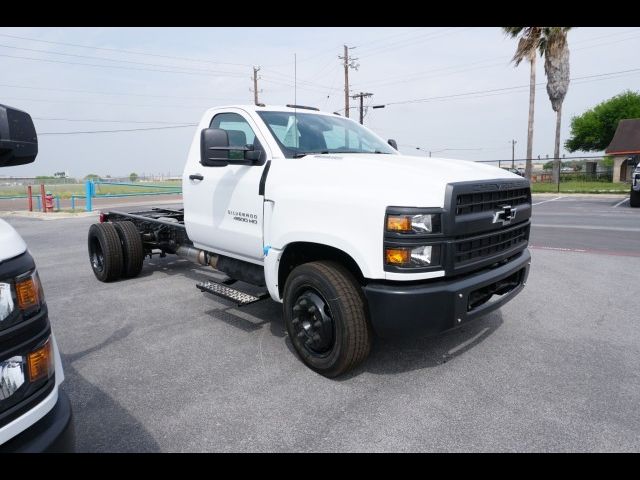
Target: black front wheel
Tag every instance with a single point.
(105, 252)
(634, 200)
(326, 318)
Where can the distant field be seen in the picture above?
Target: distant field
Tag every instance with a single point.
(66, 190)
(581, 187)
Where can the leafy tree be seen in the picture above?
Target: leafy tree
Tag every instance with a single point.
(133, 176)
(594, 129)
(607, 161)
(548, 165)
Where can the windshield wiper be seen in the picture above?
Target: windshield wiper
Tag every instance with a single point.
(304, 154)
(326, 152)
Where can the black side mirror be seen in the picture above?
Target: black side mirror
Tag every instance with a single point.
(393, 143)
(18, 138)
(215, 148)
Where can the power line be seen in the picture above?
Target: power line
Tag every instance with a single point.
(106, 93)
(121, 67)
(86, 102)
(404, 43)
(285, 76)
(130, 52)
(277, 82)
(120, 130)
(94, 120)
(429, 73)
(286, 81)
(504, 89)
(113, 60)
(383, 39)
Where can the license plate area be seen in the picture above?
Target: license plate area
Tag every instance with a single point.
(494, 291)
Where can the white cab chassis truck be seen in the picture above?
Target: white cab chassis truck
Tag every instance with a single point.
(353, 238)
(35, 414)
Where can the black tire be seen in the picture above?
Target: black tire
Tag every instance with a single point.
(132, 249)
(338, 322)
(105, 252)
(634, 199)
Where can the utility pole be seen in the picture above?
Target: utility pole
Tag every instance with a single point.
(348, 63)
(361, 95)
(513, 153)
(255, 84)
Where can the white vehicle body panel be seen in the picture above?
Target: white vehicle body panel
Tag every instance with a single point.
(337, 200)
(209, 203)
(11, 244)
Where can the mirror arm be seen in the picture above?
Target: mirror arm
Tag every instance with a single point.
(246, 148)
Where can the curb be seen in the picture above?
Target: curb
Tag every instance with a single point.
(47, 216)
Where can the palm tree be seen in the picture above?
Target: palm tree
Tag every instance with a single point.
(529, 42)
(553, 44)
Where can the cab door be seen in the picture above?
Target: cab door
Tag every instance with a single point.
(223, 209)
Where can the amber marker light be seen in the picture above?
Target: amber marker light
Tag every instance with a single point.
(41, 362)
(399, 223)
(397, 256)
(27, 293)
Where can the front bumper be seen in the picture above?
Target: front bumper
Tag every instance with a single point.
(52, 433)
(428, 308)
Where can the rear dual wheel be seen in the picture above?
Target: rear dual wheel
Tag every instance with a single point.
(115, 250)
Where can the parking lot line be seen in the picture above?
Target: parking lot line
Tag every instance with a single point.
(545, 201)
(585, 227)
(620, 203)
(615, 253)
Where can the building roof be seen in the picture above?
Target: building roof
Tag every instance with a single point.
(626, 140)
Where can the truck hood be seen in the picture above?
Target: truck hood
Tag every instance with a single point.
(11, 244)
(399, 180)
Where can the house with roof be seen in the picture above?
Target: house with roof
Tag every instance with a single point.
(625, 149)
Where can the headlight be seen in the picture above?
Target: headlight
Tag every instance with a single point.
(11, 376)
(6, 301)
(20, 298)
(420, 256)
(419, 224)
(37, 365)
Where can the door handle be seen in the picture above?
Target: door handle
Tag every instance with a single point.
(196, 176)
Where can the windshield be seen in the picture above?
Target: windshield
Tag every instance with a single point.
(299, 134)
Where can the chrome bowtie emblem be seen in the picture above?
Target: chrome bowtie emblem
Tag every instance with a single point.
(505, 215)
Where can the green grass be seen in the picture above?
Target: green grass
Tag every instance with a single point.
(581, 187)
(66, 190)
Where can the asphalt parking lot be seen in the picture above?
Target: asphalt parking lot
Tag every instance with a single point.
(153, 364)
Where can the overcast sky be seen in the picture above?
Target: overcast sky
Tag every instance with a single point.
(54, 80)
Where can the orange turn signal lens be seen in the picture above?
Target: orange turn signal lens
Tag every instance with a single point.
(41, 362)
(399, 223)
(397, 256)
(27, 293)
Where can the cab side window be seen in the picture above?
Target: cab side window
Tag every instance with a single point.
(239, 131)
